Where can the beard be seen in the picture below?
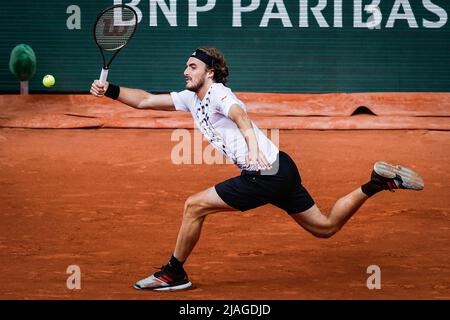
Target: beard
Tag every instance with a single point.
(195, 86)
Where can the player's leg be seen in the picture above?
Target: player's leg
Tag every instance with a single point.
(384, 176)
(324, 226)
(173, 276)
(196, 208)
(241, 193)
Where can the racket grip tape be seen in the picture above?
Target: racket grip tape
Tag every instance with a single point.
(103, 76)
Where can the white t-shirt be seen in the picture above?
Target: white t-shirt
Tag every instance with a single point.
(211, 117)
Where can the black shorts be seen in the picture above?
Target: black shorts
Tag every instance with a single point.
(252, 189)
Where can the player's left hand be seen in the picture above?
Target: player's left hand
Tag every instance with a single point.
(257, 159)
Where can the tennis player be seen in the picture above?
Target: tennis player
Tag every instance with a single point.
(268, 175)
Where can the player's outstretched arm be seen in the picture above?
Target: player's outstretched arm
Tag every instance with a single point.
(157, 102)
(136, 98)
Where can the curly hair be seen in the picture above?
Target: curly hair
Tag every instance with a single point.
(219, 67)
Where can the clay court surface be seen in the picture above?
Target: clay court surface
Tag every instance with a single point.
(110, 201)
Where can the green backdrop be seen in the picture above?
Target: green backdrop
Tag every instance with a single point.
(412, 54)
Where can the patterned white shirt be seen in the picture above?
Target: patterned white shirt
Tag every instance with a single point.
(211, 117)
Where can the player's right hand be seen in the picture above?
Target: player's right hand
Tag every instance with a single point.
(98, 89)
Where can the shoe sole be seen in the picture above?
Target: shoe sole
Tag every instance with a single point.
(174, 288)
(411, 180)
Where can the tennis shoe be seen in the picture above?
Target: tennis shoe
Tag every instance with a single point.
(163, 280)
(396, 177)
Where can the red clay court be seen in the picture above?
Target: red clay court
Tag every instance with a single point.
(103, 194)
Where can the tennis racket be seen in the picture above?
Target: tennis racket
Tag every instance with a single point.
(113, 30)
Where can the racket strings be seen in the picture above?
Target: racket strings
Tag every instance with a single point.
(114, 28)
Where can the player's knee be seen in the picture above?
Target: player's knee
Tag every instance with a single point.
(193, 207)
(326, 231)
(190, 204)
(324, 234)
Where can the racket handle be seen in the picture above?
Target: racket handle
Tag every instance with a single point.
(103, 76)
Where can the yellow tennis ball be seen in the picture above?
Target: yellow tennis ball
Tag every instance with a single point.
(48, 81)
